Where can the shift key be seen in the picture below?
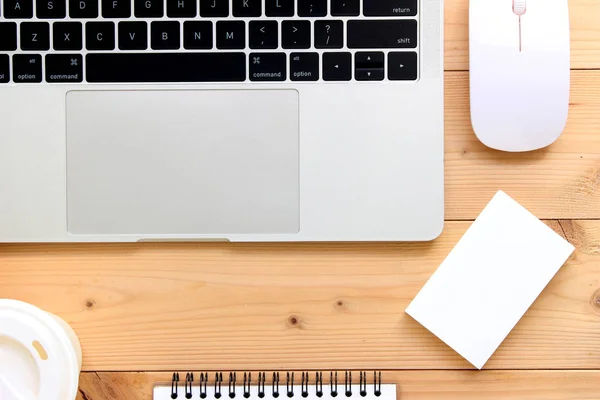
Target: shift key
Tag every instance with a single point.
(382, 34)
(389, 8)
(4, 68)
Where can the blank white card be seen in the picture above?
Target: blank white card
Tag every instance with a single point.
(490, 279)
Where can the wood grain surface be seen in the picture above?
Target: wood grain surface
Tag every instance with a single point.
(159, 307)
(559, 182)
(411, 385)
(251, 306)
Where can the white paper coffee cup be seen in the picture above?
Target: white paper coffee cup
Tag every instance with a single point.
(40, 355)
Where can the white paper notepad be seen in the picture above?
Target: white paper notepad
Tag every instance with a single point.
(490, 278)
(277, 386)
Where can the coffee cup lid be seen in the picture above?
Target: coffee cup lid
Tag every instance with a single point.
(37, 358)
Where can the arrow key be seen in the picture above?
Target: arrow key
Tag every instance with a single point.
(369, 74)
(337, 66)
(369, 66)
(370, 59)
(403, 66)
(263, 35)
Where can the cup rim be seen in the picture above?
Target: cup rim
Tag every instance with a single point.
(61, 336)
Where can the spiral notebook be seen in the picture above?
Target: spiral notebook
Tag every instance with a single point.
(276, 385)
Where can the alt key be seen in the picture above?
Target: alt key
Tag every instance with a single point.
(27, 68)
(304, 66)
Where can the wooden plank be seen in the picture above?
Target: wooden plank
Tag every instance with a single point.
(579, 234)
(585, 34)
(171, 306)
(412, 385)
(559, 182)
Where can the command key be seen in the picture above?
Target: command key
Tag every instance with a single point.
(268, 67)
(64, 68)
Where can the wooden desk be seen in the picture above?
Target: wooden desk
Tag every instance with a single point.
(159, 307)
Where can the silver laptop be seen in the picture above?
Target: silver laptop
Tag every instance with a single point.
(239, 120)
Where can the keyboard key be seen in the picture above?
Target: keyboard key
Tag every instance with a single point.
(231, 35)
(149, 8)
(116, 8)
(389, 8)
(374, 34)
(337, 66)
(263, 35)
(295, 34)
(247, 8)
(8, 36)
(279, 8)
(214, 8)
(304, 66)
(100, 35)
(35, 36)
(369, 59)
(198, 35)
(345, 8)
(22, 9)
(83, 8)
(51, 9)
(312, 8)
(402, 66)
(181, 8)
(267, 67)
(329, 34)
(4, 68)
(165, 35)
(67, 36)
(27, 68)
(369, 74)
(166, 67)
(64, 68)
(369, 66)
(133, 35)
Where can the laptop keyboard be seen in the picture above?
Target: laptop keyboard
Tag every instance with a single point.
(137, 41)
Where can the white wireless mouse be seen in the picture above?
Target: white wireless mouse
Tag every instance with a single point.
(519, 72)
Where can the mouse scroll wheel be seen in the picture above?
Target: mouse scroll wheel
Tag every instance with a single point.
(519, 6)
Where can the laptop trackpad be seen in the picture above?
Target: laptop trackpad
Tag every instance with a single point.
(182, 162)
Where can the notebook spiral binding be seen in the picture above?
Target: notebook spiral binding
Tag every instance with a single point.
(203, 382)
